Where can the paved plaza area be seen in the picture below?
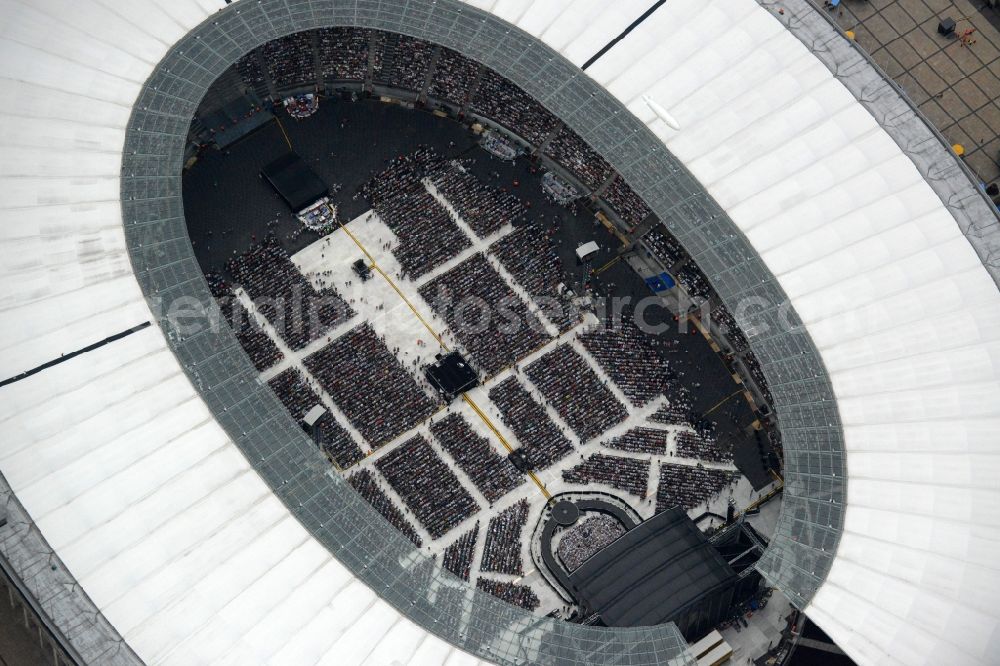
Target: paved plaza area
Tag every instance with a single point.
(18, 644)
(954, 81)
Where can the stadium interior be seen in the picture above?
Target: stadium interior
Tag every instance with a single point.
(500, 332)
(438, 175)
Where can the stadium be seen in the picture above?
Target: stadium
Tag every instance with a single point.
(506, 332)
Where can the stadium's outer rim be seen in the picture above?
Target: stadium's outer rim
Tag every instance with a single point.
(948, 175)
(165, 267)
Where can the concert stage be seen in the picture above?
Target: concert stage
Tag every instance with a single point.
(295, 181)
(663, 570)
(451, 375)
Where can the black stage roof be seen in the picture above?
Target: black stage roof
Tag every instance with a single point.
(653, 573)
(451, 375)
(297, 184)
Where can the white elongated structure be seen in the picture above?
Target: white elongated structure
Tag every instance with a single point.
(661, 113)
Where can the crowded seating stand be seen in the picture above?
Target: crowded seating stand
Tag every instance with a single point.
(418, 483)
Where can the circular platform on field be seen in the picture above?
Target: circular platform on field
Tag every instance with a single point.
(565, 513)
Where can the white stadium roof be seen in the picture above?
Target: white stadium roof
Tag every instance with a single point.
(192, 558)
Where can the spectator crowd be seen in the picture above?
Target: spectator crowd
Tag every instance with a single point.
(405, 61)
(757, 373)
(530, 256)
(366, 380)
(663, 246)
(581, 541)
(343, 53)
(628, 474)
(573, 153)
(291, 61)
(298, 397)
(454, 76)
(426, 485)
(582, 399)
(484, 208)
(640, 440)
(676, 412)
(458, 556)
(541, 440)
(502, 101)
(693, 281)
(256, 343)
(728, 327)
(252, 72)
(512, 593)
(702, 447)
(488, 318)
(427, 235)
(492, 473)
(630, 359)
(299, 313)
(625, 202)
(688, 486)
(502, 549)
(363, 481)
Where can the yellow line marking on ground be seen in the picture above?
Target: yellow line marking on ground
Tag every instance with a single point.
(479, 412)
(723, 401)
(283, 133)
(694, 319)
(393, 284)
(766, 498)
(503, 440)
(608, 265)
(718, 351)
(610, 226)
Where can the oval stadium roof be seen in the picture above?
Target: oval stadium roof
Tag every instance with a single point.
(823, 186)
